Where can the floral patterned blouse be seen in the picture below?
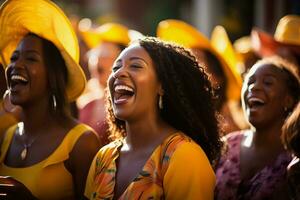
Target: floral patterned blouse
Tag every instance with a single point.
(261, 186)
(177, 169)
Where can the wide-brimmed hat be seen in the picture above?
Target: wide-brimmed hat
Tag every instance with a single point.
(287, 34)
(182, 33)
(108, 32)
(221, 42)
(47, 20)
(288, 30)
(186, 35)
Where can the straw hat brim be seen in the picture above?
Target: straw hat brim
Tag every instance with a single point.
(45, 19)
(220, 41)
(108, 32)
(186, 35)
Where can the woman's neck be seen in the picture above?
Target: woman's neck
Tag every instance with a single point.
(268, 137)
(38, 117)
(144, 133)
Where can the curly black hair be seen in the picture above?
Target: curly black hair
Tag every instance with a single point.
(188, 103)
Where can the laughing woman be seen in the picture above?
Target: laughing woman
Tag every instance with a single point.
(161, 113)
(48, 154)
(254, 165)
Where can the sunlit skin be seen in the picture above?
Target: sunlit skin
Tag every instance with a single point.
(267, 84)
(264, 96)
(27, 61)
(139, 109)
(28, 84)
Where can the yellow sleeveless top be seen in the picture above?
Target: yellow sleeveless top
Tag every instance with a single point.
(48, 179)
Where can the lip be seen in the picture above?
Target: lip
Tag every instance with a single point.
(121, 99)
(17, 81)
(255, 102)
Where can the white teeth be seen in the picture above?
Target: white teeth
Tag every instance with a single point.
(254, 99)
(123, 87)
(18, 77)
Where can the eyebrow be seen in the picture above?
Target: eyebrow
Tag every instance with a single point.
(138, 58)
(27, 51)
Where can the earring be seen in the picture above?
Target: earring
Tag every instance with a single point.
(285, 109)
(160, 102)
(54, 101)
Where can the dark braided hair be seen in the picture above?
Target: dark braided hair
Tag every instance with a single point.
(188, 96)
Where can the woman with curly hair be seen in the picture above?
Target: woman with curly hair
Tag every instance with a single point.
(254, 164)
(164, 124)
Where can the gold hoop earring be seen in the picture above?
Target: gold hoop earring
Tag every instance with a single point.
(54, 102)
(160, 102)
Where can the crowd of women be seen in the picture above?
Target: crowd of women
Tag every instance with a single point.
(177, 116)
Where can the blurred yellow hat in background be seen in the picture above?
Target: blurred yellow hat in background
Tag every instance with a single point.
(47, 20)
(220, 41)
(288, 30)
(108, 32)
(186, 35)
(178, 31)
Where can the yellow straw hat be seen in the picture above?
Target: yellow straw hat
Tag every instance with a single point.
(47, 20)
(108, 32)
(288, 30)
(220, 41)
(177, 31)
(186, 35)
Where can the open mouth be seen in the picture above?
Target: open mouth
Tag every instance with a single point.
(122, 93)
(255, 102)
(16, 80)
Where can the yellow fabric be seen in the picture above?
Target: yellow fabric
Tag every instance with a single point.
(48, 179)
(47, 20)
(288, 30)
(220, 41)
(177, 169)
(108, 32)
(186, 35)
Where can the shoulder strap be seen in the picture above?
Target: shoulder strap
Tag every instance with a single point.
(62, 152)
(7, 137)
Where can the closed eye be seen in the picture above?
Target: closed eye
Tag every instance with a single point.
(115, 68)
(13, 58)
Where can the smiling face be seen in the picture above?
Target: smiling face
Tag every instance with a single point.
(26, 74)
(265, 95)
(133, 85)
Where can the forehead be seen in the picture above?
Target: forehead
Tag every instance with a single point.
(30, 42)
(135, 51)
(265, 69)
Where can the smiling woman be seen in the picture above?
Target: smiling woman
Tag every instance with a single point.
(164, 124)
(47, 155)
(254, 165)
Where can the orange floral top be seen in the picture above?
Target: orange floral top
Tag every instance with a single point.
(177, 169)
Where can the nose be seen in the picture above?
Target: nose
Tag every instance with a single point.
(120, 73)
(254, 86)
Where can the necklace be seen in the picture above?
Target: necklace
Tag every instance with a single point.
(25, 145)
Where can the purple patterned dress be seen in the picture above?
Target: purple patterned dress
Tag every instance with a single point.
(261, 186)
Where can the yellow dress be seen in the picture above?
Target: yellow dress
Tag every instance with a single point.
(177, 169)
(48, 179)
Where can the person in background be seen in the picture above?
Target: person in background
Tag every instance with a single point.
(253, 164)
(108, 41)
(225, 77)
(291, 140)
(162, 116)
(47, 155)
